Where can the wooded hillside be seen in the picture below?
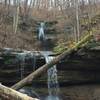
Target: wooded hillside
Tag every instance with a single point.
(19, 20)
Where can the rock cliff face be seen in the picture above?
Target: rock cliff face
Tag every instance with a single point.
(78, 68)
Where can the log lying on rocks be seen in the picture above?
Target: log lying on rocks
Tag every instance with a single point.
(42, 70)
(10, 94)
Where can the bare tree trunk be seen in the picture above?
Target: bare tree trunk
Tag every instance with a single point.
(16, 17)
(25, 7)
(5, 2)
(77, 19)
(29, 8)
(34, 1)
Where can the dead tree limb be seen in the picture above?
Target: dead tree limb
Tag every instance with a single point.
(10, 94)
(40, 71)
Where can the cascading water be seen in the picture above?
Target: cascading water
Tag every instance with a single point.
(41, 36)
(53, 85)
(33, 61)
(21, 57)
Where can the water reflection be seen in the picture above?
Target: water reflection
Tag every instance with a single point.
(30, 92)
(52, 98)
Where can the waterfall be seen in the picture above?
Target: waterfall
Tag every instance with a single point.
(21, 57)
(53, 85)
(22, 66)
(41, 35)
(33, 62)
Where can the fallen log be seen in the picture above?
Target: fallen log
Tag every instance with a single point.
(40, 71)
(10, 94)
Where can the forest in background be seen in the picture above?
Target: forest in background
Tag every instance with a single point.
(19, 20)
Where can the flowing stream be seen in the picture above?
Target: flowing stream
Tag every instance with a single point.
(53, 85)
(52, 82)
